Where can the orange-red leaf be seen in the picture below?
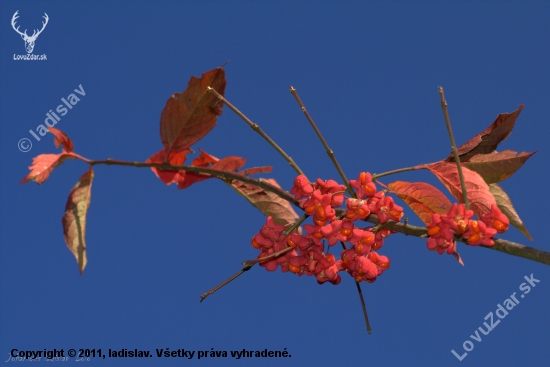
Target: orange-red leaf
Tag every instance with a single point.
(190, 115)
(74, 220)
(479, 195)
(505, 205)
(495, 167)
(267, 202)
(44, 164)
(422, 198)
(488, 140)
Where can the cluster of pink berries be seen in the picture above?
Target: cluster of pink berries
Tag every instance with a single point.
(458, 222)
(319, 200)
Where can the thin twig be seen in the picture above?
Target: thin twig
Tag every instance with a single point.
(204, 295)
(269, 257)
(257, 129)
(295, 225)
(281, 252)
(455, 150)
(399, 170)
(247, 264)
(369, 330)
(250, 263)
(327, 148)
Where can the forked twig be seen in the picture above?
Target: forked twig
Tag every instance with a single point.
(257, 129)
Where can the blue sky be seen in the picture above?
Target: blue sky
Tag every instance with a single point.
(368, 73)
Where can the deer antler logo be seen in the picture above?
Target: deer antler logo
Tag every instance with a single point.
(29, 40)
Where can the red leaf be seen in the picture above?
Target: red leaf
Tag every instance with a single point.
(190, 115)
(74, 220)
(422, 198)
(184, 179)
(256, 170)
(225, 164)
(479, 195)
(44, 164)
(488, 140)
(229, 164)
(505, 205)
(496, 167)
(204, 159)
(61, 139)
(176, 159)
(267, 202)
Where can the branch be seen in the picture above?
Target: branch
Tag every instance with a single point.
(501, 245)
(407, 229)
(223, 175)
